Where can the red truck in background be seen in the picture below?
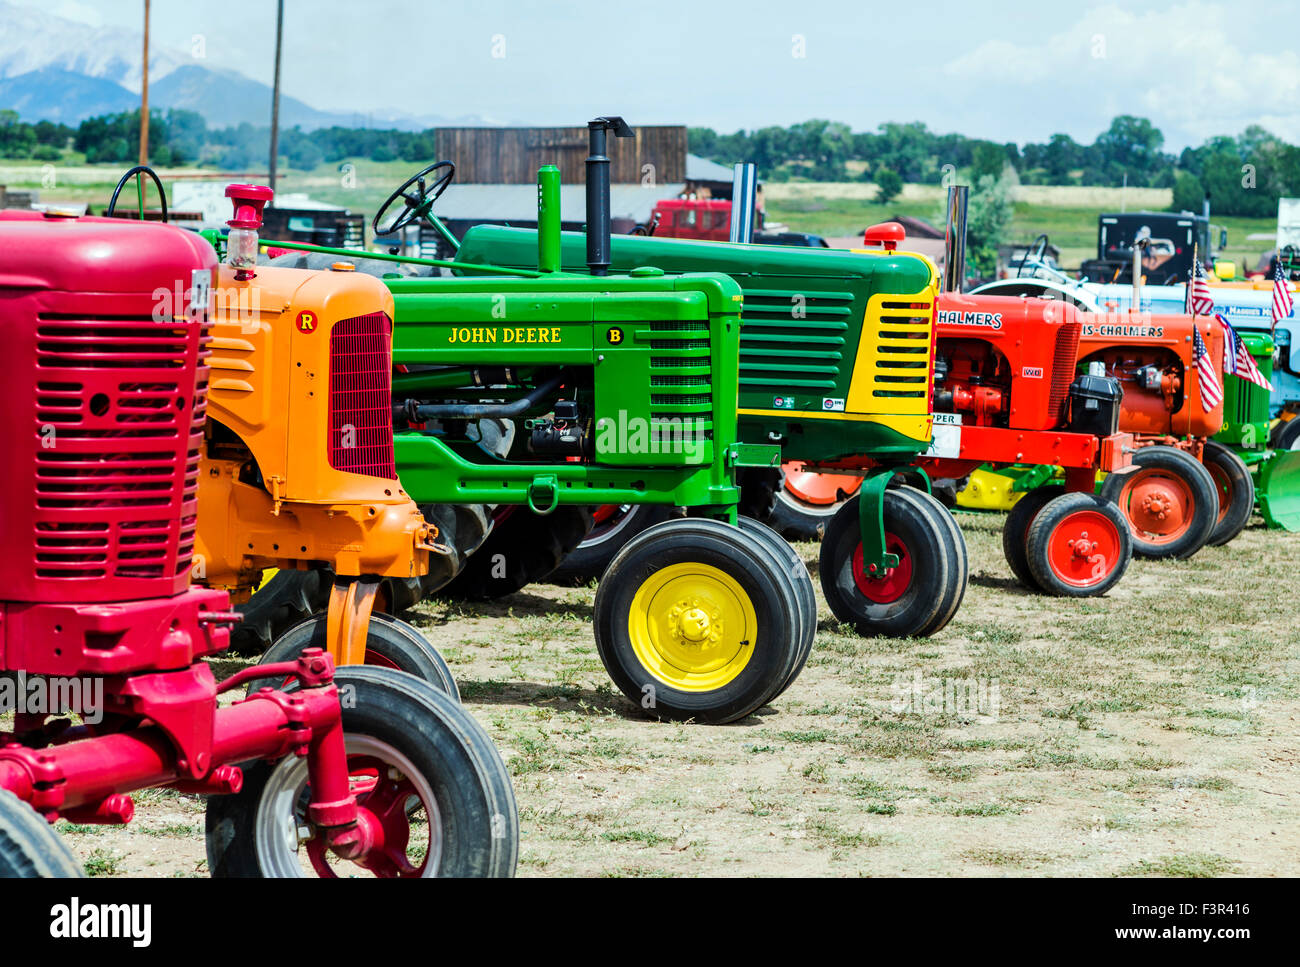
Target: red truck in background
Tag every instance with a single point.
(709, 220)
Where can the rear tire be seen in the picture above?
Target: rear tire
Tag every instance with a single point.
(1167, 482)
(1236, 492)
(696, 619)
(286, 599)
(1079, 546)
(523, 548)
(916, 598)
(606, 538)
(390, 643)
(29, 846)
(1015, 532)
(1287, 435)
(437, 756)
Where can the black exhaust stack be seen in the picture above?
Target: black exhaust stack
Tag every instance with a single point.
(598, 244)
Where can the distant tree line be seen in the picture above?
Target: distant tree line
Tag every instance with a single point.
(1244, 175)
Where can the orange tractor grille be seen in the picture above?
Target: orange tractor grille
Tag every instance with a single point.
(1063, 369)
(361, 409)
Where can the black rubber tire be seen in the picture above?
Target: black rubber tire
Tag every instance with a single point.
(1231, 479)
(389, 642)
(463, 528)
(1286, 436)
(762, 578)
(29, 846)
(1051, 516)
(803, 586)
(449, 749)
(765, 499)
(589, 559)
(1015, 532)
(939, 569)
(1179, 465)
(286, 599)
(946, 489)
(525, 547)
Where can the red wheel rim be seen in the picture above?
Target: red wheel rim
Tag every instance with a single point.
(1222, 483)
(896, 580)
(1083, 550)
(1160, 506)
(385, 800)
(605, 511)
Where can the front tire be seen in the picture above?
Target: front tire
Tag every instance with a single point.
(29, 846)
(1169, 501)
(1078, 546)
(916, 598)
(407, 744)
(696, 619)
(390, 643)
(1015, 532)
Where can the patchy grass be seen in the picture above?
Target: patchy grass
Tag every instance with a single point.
(1148, 733)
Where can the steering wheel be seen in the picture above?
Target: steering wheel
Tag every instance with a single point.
(137, 170)
(417, 202)
(1033, 254)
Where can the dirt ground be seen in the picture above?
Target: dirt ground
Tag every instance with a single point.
(1152, 732)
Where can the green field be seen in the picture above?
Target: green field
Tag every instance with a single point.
(828, 209)
(1073, 228)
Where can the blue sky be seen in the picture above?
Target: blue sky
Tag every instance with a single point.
(1007, 71)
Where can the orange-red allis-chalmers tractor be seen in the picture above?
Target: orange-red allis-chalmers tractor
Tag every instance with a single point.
(1187, 490)
(1006, 392)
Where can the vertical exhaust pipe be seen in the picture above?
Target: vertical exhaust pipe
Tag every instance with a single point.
(548, 218)
(598, 244)
(744, 199)
(954, 245)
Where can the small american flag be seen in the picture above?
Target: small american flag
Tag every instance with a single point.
(1200, 301)
(1211, 385)
(1281, 295)
(1239, 362)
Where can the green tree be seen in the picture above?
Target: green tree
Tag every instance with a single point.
(889, 185)
(1188, 193)
(987, 220)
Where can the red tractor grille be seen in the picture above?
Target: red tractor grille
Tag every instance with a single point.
(361, 409)
(1064, 360)
(117, 461)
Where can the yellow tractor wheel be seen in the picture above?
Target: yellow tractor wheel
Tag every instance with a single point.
(697, 619)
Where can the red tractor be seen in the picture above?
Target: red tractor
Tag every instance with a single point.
(1006, 392)
(104, 337)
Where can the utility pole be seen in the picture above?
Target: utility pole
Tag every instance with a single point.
(275, 92)
(144, 93)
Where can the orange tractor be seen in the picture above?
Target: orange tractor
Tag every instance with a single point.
(1187, 490)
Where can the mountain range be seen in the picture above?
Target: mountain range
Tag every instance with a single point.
(56, 69)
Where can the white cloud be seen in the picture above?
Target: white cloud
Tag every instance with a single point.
(1176, 65)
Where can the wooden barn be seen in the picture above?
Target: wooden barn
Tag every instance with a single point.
(511, 156)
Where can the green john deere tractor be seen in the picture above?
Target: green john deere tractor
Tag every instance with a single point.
(540, 387)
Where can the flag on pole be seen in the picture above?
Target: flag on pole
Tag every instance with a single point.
(1237, 359)
(1200, 301)
(1281, 295)
(1211, 385)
